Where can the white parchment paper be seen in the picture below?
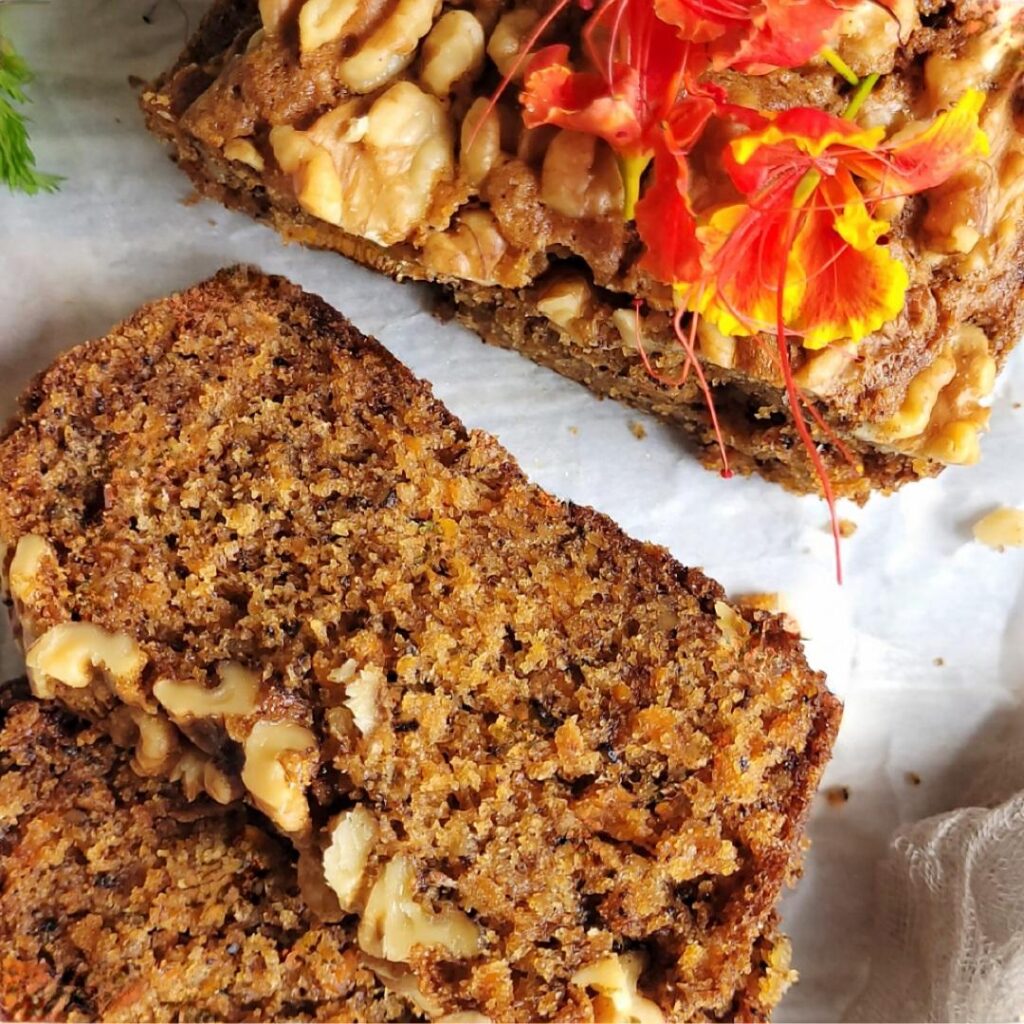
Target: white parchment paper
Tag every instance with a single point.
(925, 642)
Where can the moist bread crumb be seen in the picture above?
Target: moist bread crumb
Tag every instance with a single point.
(541, 765)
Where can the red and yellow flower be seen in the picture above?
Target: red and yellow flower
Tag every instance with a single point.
(805, 245)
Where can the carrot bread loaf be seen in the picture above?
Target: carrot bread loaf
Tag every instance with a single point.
(119, 900)
(544, 768)
(660, 183)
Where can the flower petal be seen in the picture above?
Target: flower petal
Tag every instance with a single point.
(784, 34)
(746, 249)
(582, 101)
(927, 157)
(852, 285)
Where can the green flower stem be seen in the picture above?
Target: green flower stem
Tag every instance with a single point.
(839, 65)
(862, 92)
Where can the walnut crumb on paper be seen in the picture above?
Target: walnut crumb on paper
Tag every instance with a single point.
(1000, 529)
(837, 795)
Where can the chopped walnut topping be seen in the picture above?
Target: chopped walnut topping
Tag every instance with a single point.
(363, 687)
(323, 21)
(400, 980)
(393, 923)
(714, 346)
(277, 766)
(236, 694)
(580, 176)
(1001, 528)
(453, 51)
(476, 161)
(390, 47)
(72, 653)
(352, 837)
(155, 740)
(615, 978)
(23, 582)
(942, 417)
(472, 249)
(373, 172)
(507, 40)
(275, 13)
(735, 629)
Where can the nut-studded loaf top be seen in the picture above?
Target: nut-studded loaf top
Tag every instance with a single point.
(545, 765)
(145, 907)
(318, 116)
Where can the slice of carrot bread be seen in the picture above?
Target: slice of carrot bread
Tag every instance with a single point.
(120, 900)
(360, 127)
(543, 764)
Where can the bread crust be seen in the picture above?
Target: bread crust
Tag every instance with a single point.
(576, 744)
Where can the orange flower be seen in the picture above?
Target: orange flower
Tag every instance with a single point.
(757, 36)
(806, 243)
(639, 69)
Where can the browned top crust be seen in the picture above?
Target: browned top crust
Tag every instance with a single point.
(565, 745)
(518, 224)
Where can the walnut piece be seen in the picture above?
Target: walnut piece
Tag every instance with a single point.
(236, 694)
(393, 922)
(372, 173)
(506, 42)
(1001, 528)
(363, 688)
(471, 249)
(734, 628)
(24, 580)
(323, 21)
(476, 161)
(390, 47)
(566, 299)
(274, 14)
(580, 177)
(244, 152)
(276, 770)
(453, 50)
(401, 980)
(942, 417)
(714, 346)
(73, 653)
(353, 834)
(614, 978)
(156, 742)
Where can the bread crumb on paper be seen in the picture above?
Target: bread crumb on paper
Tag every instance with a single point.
(637, 429)
(847, 528)
(913, 778)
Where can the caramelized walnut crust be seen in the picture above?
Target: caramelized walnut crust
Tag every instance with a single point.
(513, 205)
(509, 740)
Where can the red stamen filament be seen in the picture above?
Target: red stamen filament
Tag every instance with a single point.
(688, 341)
(524, 51)
(795, 400)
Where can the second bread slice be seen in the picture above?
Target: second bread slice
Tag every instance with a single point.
(548, 771)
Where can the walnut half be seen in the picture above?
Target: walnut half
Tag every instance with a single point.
(77, 653)
(614, 978)
(393, 923)
(278, 765)
(371, 171)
